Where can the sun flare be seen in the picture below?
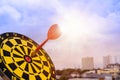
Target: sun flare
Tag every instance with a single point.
(74, 26)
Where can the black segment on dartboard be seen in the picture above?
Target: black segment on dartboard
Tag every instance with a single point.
(29, 51)
(6, 53)
(15, 55)
(30, 45)
(23, 49)
(45, 63)
(26, 68)
(9, 43)
(33, 68)
(45, 73)
(38, 78)
(12, 66)
(18, 51)
(20, 62)
(25, 76)
(38, 61)
(37, 66)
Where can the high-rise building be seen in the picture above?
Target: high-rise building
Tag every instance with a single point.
(106, 61)
(87, 63)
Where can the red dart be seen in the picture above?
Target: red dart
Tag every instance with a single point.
(53, 33)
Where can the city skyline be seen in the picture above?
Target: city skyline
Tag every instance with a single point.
(88, 27)
(88, 62)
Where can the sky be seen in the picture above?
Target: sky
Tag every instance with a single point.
(90, 28)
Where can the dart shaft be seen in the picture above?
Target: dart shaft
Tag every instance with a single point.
(39, 47)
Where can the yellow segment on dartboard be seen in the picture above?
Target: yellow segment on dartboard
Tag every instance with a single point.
(17, 63)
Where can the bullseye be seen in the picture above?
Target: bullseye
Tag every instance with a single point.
(28, 58)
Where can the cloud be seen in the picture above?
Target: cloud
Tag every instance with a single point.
(11, 12)
(25, 17)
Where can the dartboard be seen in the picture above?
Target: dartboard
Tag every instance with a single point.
(17, 63)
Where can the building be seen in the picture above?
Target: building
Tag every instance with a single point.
(106, 61)
(87, 63)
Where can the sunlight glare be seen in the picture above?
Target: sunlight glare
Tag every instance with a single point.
(75, 26)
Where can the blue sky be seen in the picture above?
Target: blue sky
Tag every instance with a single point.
(90, 27)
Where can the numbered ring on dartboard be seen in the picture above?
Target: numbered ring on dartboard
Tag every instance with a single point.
(16, 62)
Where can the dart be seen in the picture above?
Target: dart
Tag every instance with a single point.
(18, 59)
(53, 33)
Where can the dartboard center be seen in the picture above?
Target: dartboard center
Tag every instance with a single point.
(28, 58)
